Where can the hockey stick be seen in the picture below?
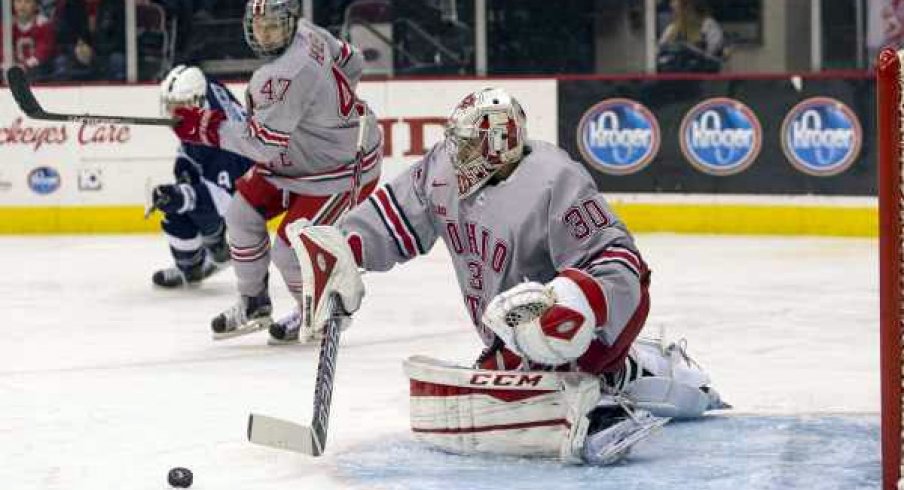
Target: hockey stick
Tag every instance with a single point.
(25, 99)
(311, 440)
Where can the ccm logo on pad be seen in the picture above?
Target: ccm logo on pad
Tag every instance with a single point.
(481, 379)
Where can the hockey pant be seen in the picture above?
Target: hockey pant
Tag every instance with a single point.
(191, 232)
(256, 202)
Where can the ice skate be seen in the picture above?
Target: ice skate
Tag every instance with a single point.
(173, 277)
(615, 427)
(289, 330)
(250, 314)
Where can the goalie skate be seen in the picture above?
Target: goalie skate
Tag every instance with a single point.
(290, 330)
(615, 428)
(250, 314)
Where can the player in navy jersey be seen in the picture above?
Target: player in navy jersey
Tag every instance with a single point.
(195, 203)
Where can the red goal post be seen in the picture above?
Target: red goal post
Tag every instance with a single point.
(889, 79)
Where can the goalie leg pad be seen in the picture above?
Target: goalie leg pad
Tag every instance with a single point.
(665, 381)
(519, 413)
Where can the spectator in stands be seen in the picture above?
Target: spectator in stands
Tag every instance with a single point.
(76, 59)
(33, 39)
(109, 31)
(693, 41)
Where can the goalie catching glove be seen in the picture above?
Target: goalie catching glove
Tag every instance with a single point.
(328, 270)
(551, 323)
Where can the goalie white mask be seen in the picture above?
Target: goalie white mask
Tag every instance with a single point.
(270, 25)
(183, 86)
(485, 133)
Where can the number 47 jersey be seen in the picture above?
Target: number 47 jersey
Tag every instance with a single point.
(545, 217)
(303, 117)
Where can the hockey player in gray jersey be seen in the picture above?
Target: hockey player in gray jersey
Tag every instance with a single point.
(551, 277)
(301, 130)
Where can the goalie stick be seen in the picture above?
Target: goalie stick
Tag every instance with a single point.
(25, 99)
(311, 440)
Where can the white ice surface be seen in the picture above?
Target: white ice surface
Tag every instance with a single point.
(108, 383)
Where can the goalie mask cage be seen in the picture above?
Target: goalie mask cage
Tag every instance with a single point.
(889, 80)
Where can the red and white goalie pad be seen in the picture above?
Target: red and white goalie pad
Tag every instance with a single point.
(328, 269)
(519, 413)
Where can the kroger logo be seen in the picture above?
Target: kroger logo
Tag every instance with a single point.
(44, 180)
(618, 136)
(821, 136)
(721, 136)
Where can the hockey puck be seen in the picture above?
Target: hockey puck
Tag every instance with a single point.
(179, 477)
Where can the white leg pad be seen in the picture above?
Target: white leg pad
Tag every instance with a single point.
(520, 413)
(665, 397)
(674, 390)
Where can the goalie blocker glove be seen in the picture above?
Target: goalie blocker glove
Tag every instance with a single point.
(550, 324)
(329, 268)
(198, 126)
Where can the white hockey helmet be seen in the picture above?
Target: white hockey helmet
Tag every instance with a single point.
(183, 86)
(270, 25)
(485, 133)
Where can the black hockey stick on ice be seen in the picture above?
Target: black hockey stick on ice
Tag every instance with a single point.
(25, 99)
(291, 436)
(310, 440)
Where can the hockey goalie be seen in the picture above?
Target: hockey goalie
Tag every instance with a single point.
(554, 282)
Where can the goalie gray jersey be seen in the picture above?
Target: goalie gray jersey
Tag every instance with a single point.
(545, 217)
(303, 116)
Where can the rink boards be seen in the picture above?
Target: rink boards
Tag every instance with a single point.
(77, 178)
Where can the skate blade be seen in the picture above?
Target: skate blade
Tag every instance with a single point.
(302, 339)
(620, 450)
(250, 327)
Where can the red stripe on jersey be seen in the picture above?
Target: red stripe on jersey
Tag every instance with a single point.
(367, 163)
(392, 216)
(426, 388)
(488, 428)
(592, 291)
(267, 135)
(624, 253)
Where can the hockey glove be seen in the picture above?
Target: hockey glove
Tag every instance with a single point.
(174, 198)
(551, 323)
(328, 269)
(198, 126)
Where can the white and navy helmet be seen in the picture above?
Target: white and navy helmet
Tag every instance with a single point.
(485, 132)
(183, 86)
(270, 25)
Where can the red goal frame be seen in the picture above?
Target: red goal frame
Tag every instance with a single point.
(889, 113)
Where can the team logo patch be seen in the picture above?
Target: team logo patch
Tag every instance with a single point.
(44, 180)
(821, 136)
(721, 136)
(618, 136)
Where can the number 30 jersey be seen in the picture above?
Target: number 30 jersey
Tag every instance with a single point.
(303, 117)
(545, 217)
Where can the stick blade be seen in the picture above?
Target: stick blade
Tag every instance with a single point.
(282, 434)
(18, 85)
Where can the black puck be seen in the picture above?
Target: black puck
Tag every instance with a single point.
(180, 477)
